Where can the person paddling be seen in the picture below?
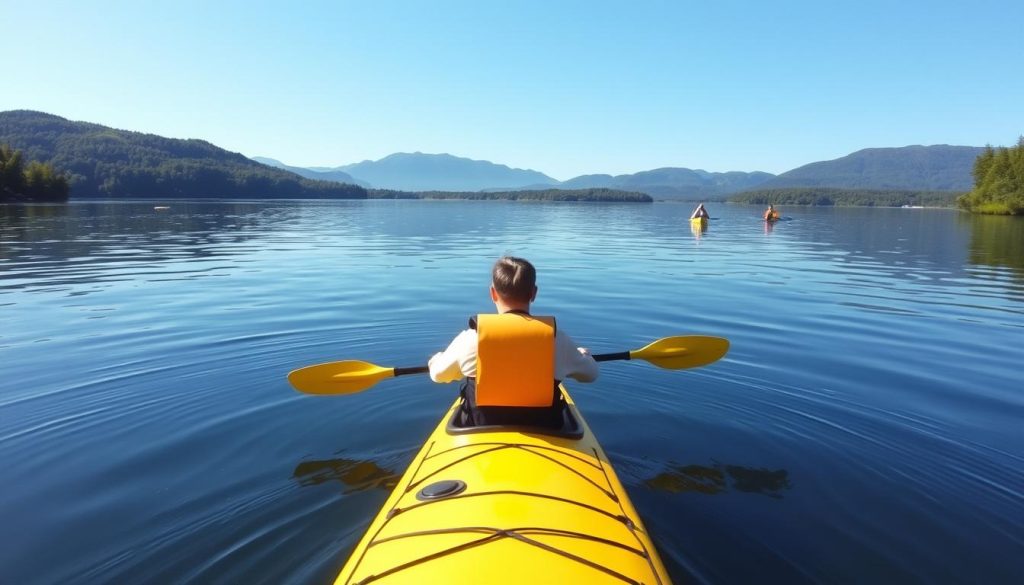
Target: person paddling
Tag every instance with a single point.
(770, 214)
(512, 361)
(700, 213)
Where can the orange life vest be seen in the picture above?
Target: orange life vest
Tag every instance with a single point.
(515, 361)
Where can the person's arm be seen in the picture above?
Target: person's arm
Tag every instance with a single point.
(572, 361)
(447, 366)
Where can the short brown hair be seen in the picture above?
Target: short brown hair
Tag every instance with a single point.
(514, 278)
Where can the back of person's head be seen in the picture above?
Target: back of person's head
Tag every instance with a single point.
(514, 279)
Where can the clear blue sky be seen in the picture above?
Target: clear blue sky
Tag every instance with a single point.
(563, 87)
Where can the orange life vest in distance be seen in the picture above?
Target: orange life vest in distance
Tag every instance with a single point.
(515, 360)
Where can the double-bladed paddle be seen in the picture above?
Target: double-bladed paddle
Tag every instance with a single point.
(351, 376)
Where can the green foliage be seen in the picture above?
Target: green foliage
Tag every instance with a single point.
(104, 162)
(592, 195)
(41, 182)
(12, 178)
(998, 182)
(35, 182)
(845, 197)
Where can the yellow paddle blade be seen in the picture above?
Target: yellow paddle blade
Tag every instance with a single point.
(344, 377)
(686, 351)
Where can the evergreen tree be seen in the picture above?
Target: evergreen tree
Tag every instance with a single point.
(998, 182)
(11, 173)
(983, 163)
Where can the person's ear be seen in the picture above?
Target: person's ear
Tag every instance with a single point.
(494, 294)
(533, 297)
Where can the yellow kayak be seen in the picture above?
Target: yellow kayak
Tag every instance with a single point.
(699, 221)
(507, 505)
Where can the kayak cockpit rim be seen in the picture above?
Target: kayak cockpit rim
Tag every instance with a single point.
(570, 429)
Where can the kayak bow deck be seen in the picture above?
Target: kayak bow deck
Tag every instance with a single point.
(507, 505)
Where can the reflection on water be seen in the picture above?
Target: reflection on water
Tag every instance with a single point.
(719, 478)
(68, 245)
(998, 241)
(355, 475)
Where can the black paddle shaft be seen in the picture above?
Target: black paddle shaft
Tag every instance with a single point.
(604, 357)
(607, 357)
(413, 370)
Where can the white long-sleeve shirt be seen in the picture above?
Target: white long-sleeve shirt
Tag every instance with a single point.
(459, 359)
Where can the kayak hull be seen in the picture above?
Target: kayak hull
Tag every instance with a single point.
(507, 505)
(699, 222)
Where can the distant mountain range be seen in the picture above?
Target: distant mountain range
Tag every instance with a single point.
(102, 161)
(443, 172)
(439, 172)
(915, 168)
(315, 174)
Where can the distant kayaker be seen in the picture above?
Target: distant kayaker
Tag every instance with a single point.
(520, 358)
(770, 213)
(700, 213)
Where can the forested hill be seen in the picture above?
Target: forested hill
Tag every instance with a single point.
(914, 168)
(104, 162)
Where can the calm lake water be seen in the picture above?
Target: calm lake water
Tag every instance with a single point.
(866, 426)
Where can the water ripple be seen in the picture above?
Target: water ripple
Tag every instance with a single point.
(866, 418)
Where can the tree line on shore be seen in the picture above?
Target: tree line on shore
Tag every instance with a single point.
(846, 197)
(34, 181)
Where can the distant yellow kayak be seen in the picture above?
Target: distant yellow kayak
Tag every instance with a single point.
(507, 505)
(699, 221)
